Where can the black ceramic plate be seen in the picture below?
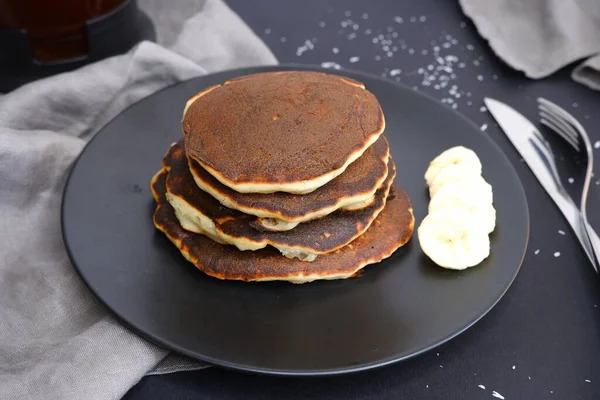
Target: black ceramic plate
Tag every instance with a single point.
(397, 309)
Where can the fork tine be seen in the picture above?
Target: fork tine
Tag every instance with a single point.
(575, 124)
(557, 110)
(559, 127)
(561, 120)
(567, 127)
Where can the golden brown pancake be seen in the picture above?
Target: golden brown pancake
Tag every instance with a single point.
(356, 185)
(199, 212)
(290, 131)
(391, 230)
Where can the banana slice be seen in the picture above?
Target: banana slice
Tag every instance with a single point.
(458, 155)
(474, 197)
(454, 173)
(452, 239)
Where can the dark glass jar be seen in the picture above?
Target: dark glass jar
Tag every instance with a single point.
(42, 37)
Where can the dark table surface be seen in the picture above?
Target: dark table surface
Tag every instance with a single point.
(542, 340)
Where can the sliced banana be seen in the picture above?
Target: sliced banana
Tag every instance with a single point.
(458, 155)
(474, 199)
(452, 239)
(453, 173)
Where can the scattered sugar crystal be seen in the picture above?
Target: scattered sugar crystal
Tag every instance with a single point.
(557, 254)
(483, 127)
(335, 50)
(330, 64)
(536, 252)
(354, 59)
(395, 72)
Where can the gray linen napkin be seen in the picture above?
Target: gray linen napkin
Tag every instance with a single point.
(539, 37)
(56, 340)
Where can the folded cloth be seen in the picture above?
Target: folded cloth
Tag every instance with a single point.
(539, 37)
(56, 340)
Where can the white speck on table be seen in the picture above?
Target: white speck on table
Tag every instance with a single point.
(365, 16)
(283, 39)
(483, 127)
(335, 50)
(470, 47)
(483, 108)
(597, 145)
(557, 254)
(481, 387)
(308, 45)
(480, 78)
(395, 72)
(354, 59)
(575, 105)
(497, 395)
(588, 381)
(514, 366)
(267, 31)
(571, 180)
(322, 24)
(536, 252)
(560, 231)
(331, 64)
(398, 20)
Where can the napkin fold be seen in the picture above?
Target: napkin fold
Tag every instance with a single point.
(539, 37)
(56, 340)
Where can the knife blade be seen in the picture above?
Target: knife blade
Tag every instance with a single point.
(525, 137)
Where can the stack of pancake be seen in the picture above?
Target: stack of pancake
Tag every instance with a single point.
(282, 176)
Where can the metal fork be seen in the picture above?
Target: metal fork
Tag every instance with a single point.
(567, 127)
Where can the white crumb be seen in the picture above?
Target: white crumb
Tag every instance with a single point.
(335, 50)
(514, 366)
(483, 108)
(561, 232)
(597, 145)
(330, 64)
(571, 180)
(536, 252)
(354, 59)
(497, 395)
(588, 381)
(557, 254)
(395, 72)
(483, 127)
(481, 386)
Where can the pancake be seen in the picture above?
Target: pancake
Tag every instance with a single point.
(197, 211)
(290, 131)
(391, 230)
(280, 211)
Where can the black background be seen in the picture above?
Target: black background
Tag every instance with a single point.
(542, 340)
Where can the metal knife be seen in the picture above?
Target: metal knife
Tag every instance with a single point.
(526, 139)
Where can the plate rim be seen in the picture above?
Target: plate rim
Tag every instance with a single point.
(170, 346)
